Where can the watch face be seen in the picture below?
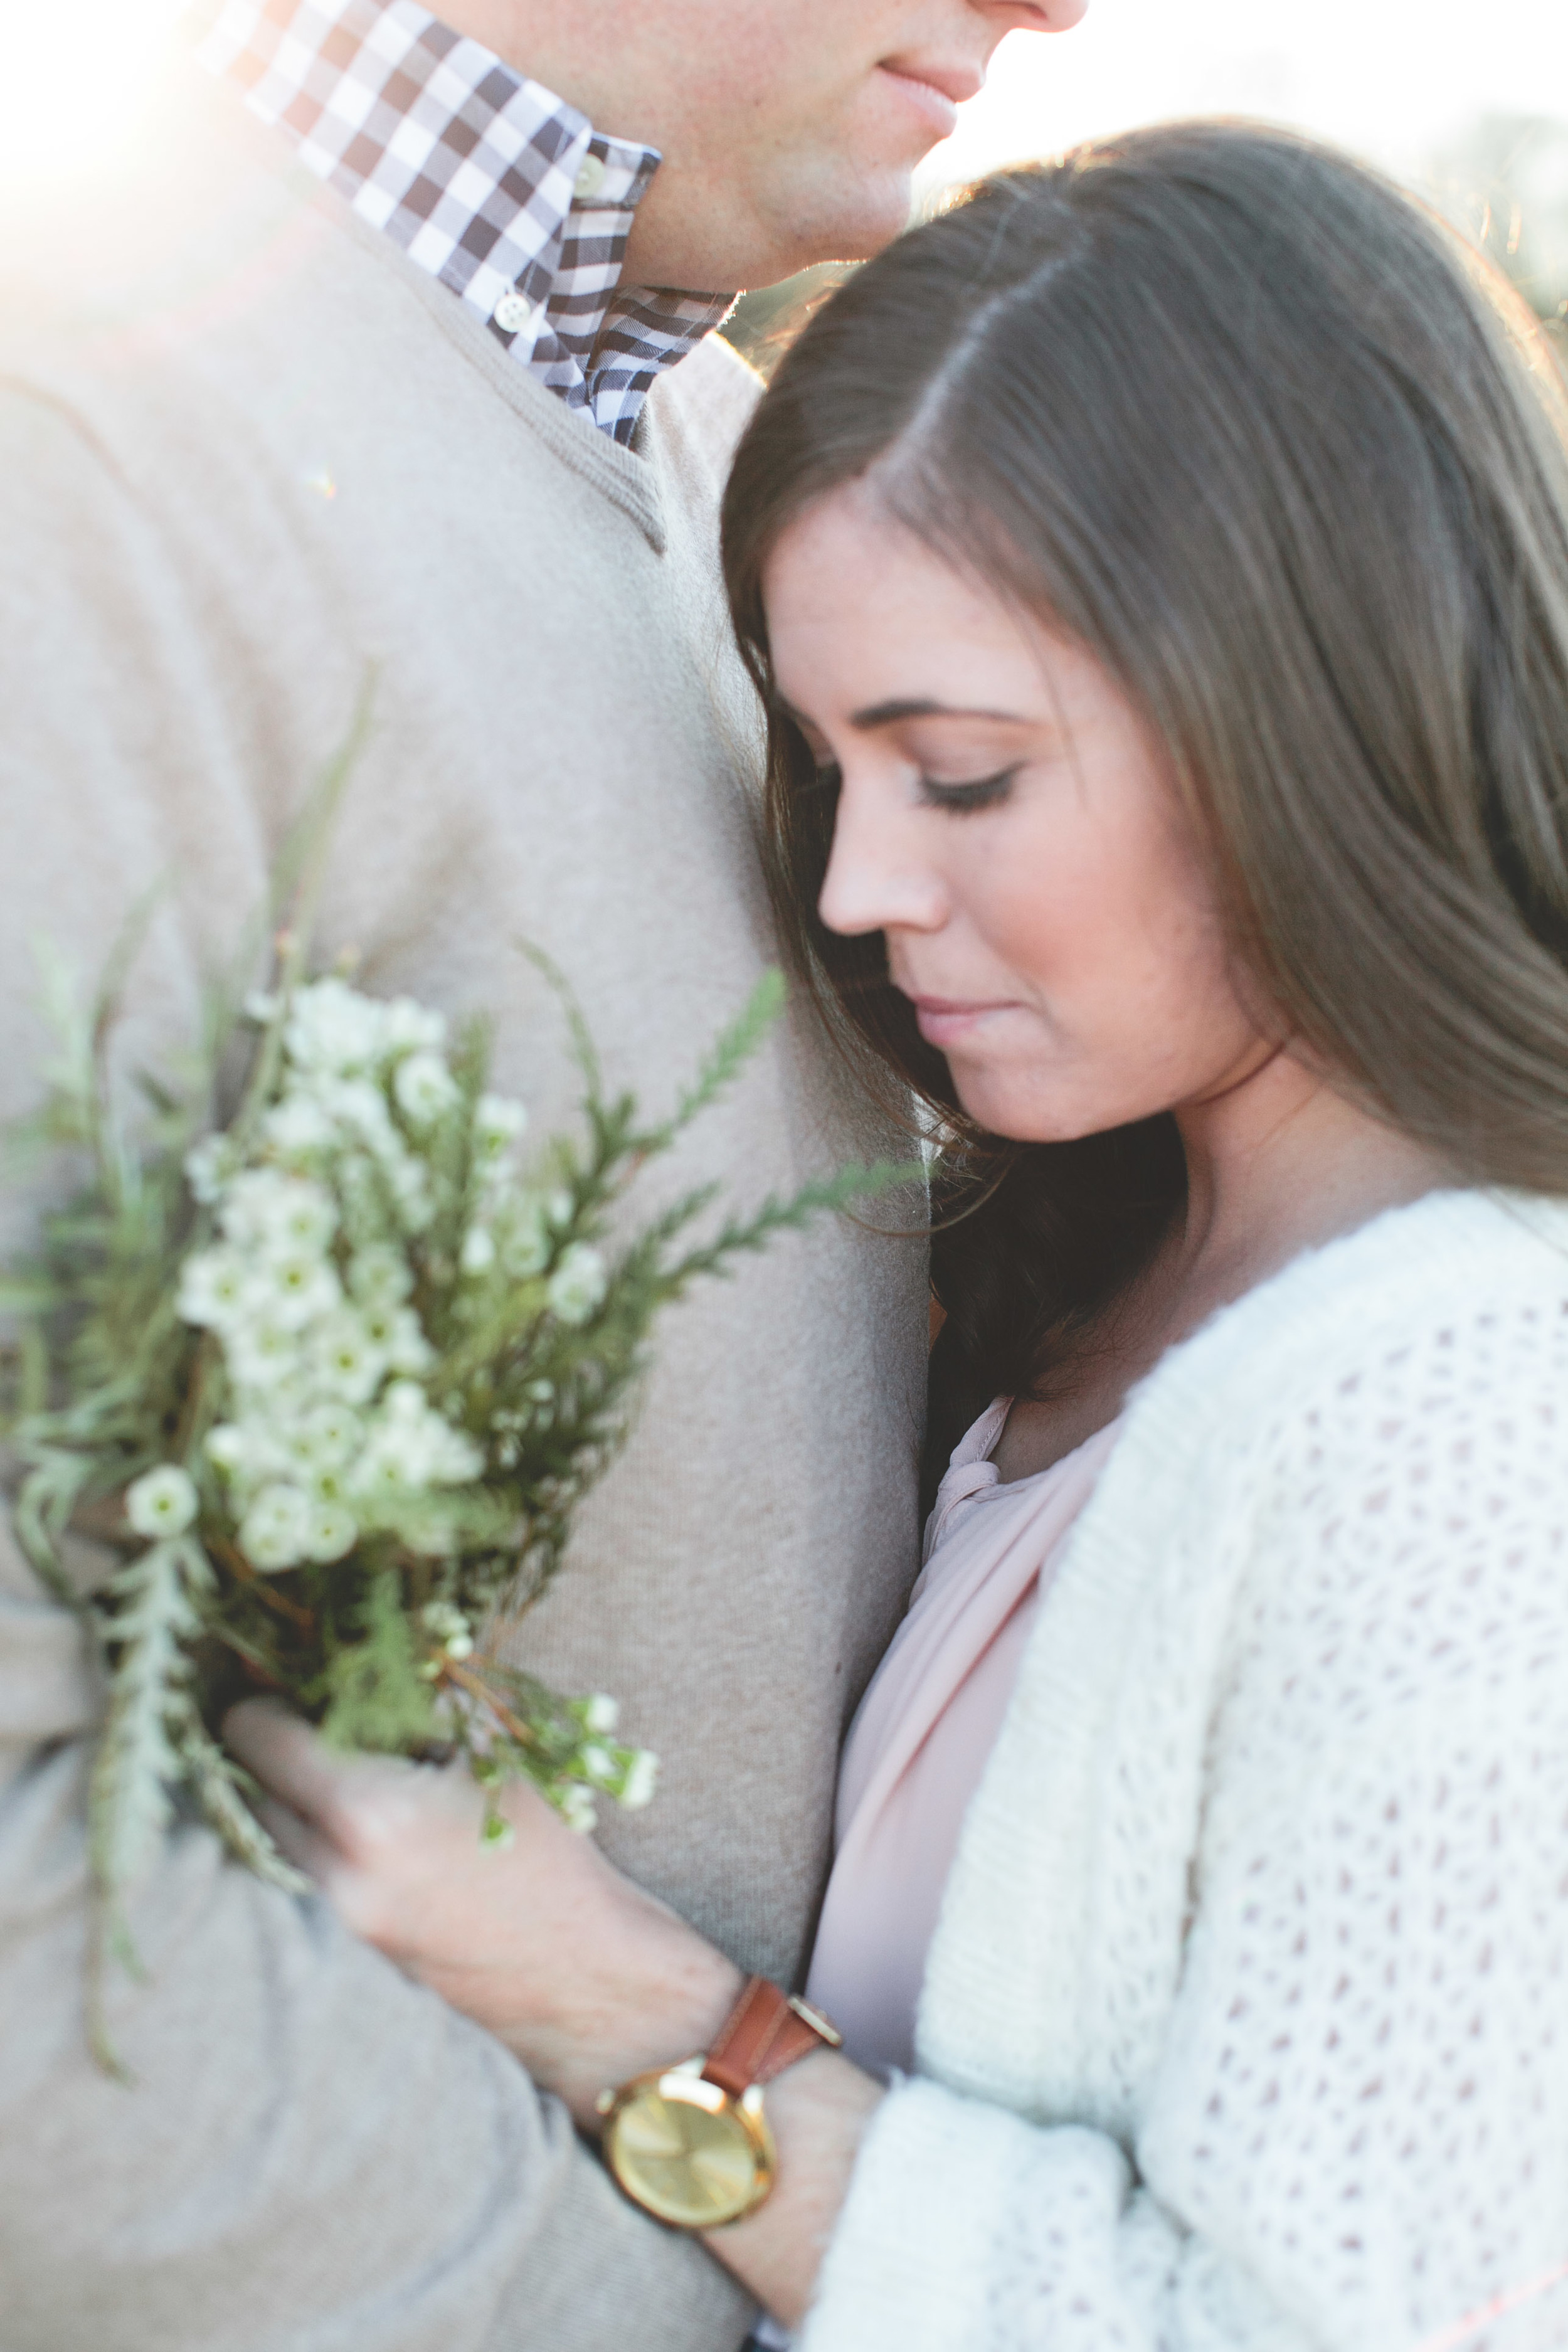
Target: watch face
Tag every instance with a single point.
(686, 2153)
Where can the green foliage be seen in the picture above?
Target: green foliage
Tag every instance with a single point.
(331, 1382)
(376, 1698)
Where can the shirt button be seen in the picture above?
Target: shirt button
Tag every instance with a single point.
(511, 313)
(590, 176)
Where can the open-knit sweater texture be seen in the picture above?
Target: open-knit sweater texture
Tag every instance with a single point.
(1246, 2026)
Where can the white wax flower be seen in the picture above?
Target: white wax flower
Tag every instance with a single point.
(398, 1336)
(408, 1026)
(449, 1627)
(578, 1284)
(479, 1250)
(423, 1087)
(361, 1109)
(207, 1166)
(637, 1787)
(214, 1286)
(262, 1351)
(264, 1209)
(331, 1028)
(299, 1287)
(275, 1530)
(600, 1713)
(298, 1125)
(406, 1403)
(346, 1360)
(527, 1249)
(330, 1530)
(379, 1276)
(329, 1435)
(410, 1185)
(445, 1456)
(388, 1469)
(497, 1122)
(162, 1502)
(327, 1482)
(249, 1455)
(229, 1446)
(577, 1808)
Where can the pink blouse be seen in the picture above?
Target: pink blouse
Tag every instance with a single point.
(923, 1731)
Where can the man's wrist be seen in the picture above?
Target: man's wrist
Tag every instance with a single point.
(656, 2018)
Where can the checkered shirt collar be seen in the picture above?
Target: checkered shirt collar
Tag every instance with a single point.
(487, 180)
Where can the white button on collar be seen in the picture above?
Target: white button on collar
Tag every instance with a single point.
(512, 313)
(590, 177)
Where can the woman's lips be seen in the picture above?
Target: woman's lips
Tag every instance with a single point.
(945, 1021)
(936, 108)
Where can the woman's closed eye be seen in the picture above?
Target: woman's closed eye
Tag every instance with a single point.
(965, 799)
(958, 799)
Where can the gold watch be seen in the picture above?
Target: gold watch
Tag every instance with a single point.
(691, 2144)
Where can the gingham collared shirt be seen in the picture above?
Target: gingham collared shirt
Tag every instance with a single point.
(487, 180)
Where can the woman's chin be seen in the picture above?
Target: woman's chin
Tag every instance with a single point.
(1024, 1113)
(1017, 1114)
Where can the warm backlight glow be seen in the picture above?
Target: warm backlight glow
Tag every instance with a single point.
(1394, 79)
(74, 84)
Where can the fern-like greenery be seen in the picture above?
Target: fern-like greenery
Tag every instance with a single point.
(331, 1382)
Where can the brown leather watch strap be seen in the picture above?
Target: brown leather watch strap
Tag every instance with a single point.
(765, 2032)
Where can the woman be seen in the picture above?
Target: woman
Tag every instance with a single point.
(1156, 572)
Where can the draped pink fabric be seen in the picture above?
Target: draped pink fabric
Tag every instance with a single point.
(920, 1742)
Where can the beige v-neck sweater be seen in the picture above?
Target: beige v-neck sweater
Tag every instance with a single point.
(247, 450)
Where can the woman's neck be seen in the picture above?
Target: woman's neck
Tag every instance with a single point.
(1276, 1164)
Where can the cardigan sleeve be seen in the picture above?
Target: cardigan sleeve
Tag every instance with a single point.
(1352, 2135)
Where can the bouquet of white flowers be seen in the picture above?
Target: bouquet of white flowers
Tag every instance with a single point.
(330, 1380)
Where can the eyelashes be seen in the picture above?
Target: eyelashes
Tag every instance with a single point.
(966, 800)
(958, 799)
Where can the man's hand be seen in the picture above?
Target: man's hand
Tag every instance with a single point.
(583, 1976)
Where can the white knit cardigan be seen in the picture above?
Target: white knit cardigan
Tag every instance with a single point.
(1246, 2025)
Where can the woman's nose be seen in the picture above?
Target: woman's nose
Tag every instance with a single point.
(876, 879)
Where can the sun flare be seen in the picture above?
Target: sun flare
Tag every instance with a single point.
(79, 74)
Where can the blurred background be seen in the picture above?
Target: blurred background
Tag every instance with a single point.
(1464, 100)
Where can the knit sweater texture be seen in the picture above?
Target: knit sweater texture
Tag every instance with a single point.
(1246, 2026)
(249, 455)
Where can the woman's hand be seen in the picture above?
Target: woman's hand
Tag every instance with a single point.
(586, 1978)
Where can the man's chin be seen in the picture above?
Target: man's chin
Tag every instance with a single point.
(864, 221)
(788, 230)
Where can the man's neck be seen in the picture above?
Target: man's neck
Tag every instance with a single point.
(602, 58)
(551, 46)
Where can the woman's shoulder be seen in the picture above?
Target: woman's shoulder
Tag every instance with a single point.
(1475, 1279)
(1426, 1354)
(1348, 1492)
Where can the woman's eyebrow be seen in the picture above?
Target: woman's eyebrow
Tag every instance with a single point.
(889, 714)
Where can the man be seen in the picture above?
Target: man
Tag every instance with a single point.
(370, 366)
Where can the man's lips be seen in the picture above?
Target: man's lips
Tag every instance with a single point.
(936, 89)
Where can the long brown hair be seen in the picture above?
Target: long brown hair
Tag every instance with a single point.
(1248, 423)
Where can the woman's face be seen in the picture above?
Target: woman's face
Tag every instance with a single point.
(1005, 820)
